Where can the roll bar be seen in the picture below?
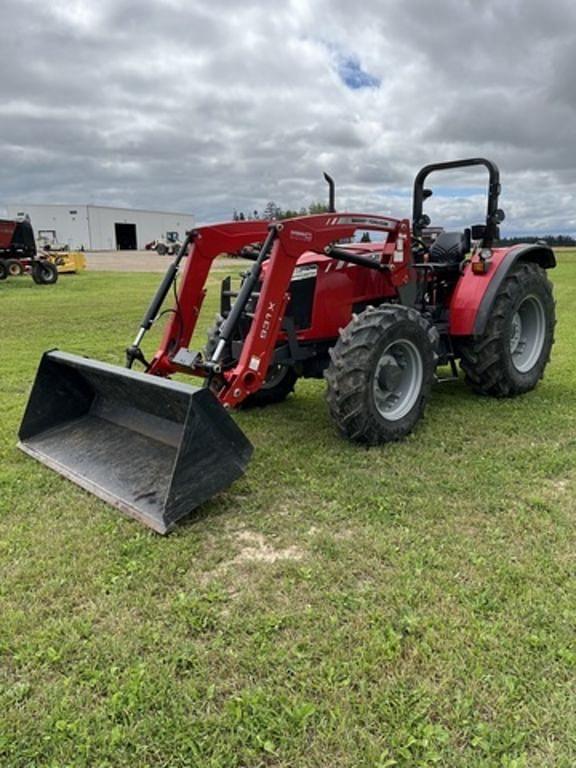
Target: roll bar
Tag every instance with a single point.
(493, 214)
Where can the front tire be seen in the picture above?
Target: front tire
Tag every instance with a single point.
(278, 384)
(510, 357)
(3, 270)
(44, 273)
(381, 373)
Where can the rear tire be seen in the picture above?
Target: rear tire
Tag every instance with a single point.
(380, 375)
(14, 268)
(279, 382)
(3, 270)
(509, 359)
(44, 273)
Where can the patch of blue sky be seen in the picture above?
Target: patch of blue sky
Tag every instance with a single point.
(349, 68)
(352, 74)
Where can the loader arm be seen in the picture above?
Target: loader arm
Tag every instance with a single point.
(284, 242)
(290, 239)
(207, 243)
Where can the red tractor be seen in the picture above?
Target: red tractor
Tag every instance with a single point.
(375, 319)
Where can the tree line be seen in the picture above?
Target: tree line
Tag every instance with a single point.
(274, 212)
(557, 241)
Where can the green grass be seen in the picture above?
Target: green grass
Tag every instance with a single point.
(413, 605)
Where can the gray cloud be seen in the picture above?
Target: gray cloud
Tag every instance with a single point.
(210, 106)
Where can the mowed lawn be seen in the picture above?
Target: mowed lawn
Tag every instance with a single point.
(410, 605)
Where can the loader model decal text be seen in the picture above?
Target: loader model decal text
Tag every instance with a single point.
(367, 221)
(296, 234)
(268, 317)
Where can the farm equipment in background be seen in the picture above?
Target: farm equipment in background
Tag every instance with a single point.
(375, 319)
(66, 262)
(165, 246)
(59, 253)
(19, 255)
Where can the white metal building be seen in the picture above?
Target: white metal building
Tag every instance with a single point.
(99, 228)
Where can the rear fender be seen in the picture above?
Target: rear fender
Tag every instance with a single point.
(474, 295)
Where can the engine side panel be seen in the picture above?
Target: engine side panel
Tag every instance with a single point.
(340, 288)
(324, 292)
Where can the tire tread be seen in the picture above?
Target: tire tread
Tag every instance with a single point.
(348, 375)
(481, 358)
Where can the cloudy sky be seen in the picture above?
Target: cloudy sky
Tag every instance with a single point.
(206, 106)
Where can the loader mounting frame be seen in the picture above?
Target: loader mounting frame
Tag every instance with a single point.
(280, 243)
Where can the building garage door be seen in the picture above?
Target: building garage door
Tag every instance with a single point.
(126, 237)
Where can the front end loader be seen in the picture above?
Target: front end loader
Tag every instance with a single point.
(376, 319)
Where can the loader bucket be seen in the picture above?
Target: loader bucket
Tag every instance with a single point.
(153, 448)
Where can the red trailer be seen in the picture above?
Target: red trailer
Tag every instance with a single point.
(19, 255)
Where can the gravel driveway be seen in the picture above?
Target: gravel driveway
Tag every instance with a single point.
(141, 261)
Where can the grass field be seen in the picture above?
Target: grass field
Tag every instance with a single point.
(413, 605)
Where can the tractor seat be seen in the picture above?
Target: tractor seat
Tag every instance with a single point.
(449, 248)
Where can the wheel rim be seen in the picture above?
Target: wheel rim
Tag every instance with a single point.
(527, 333)
(398, 380)
(14, 270)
